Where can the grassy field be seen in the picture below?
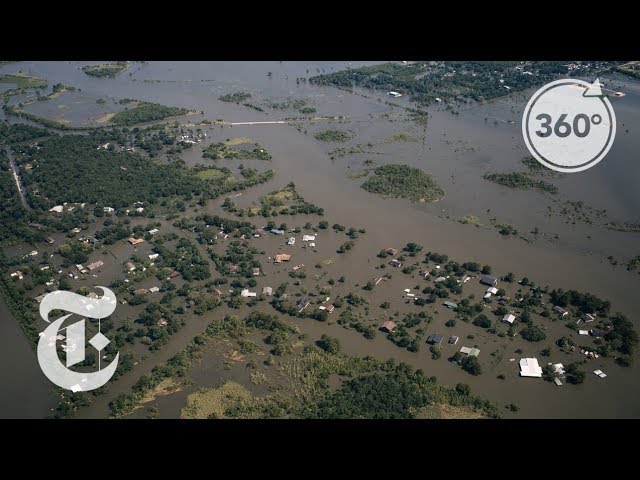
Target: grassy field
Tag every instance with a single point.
(396, 180)
(108, 70)
(23, 80)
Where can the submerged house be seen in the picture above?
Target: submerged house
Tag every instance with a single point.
(529, 368)
(388, 326)
(560, 311)
(451, 305)
(488, 280)
(435, 339)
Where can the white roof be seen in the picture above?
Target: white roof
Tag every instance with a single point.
(487, 295)
(583, 332)
(407, 290)
(558, 368)
(465, 350)
(247, 293)
(308, 238)
(493, 290)
(508, 318)
(529, 368)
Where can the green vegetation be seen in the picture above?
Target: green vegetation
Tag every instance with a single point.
(237, 97)
(285, 201)
(624, 226)
(13, 216)
(225, 150)
(397, 180)
(401, 137)
(332, 135)
(533, 333)
(114, 178)
(634, 263)
(23, 80)
(109, 70)
(521, 180)
(450, 81)
(146, 112)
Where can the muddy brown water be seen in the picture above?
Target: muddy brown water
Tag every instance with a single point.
(457, 150)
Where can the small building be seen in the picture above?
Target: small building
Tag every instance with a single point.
(435, 339)
(308, 238)
(529, 368)
(282, 257)
(560, 311)
(18, 274)
(153, 256)
(451, 305)
(162, 322)
(377, 280)
(558, 369)
(140, 291)
(135, 241)
(130, 266)
(255, 271)
(234, 269)
(258, 232)
(298, 267)
(267, 291)
(291, 241)
(247, 293)
(596, 332)
(557, 381)
(57, 209)
(486, 296)
(509, 318)
(504, 299)
(391, 251)
(277, 231)
(217, 292)
(470, 351)
(587, 317)
(154, 289)
(94, 265)
(92, 295)
(50, 240)
(395, 94)
(303, 303)
(395, 263)
(108, 210)
(330, 308)
(439, 279)
(153, 231)
(39, 298)
(583, 332)
(388, 326)
(489, 280)
(453, 340)
(173, 274)
(492, 290)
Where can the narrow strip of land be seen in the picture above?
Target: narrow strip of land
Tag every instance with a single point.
(16, 177)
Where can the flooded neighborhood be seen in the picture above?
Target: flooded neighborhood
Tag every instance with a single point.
(262, 269)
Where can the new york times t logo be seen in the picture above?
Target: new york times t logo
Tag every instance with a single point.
(74, 339)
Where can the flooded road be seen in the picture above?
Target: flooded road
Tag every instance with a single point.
(24, 390)
(457, 150)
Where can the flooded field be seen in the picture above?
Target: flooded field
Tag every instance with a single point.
(456, 149)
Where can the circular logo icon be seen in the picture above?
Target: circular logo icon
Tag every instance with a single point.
(569, 125)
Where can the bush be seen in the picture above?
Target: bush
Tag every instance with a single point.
(533, 334)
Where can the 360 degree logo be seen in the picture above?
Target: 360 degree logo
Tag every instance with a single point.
(48, 358)
(569, 125)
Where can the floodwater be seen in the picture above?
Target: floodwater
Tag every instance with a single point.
(25, 392)
(457, 150)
